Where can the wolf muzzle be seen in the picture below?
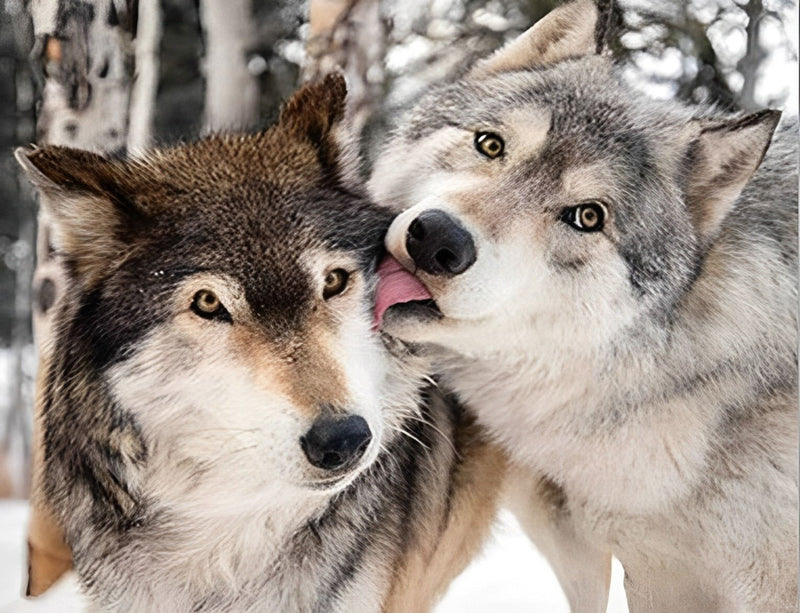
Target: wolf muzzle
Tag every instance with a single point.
(335, 442)
(439, 244)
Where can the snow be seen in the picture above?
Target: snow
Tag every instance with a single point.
(509, 575)
(512, 576)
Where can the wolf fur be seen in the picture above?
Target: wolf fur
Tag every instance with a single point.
(649, 369)
(172, 441)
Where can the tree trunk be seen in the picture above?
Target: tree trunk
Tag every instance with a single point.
(145, 82)
(84, 47)
(232, 96)
(349, 35)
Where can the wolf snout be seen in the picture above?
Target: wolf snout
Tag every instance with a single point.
(439, 244)
(336, 442)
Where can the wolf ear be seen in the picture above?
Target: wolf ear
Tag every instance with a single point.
(315, 110)
(82, 194)
(721, 159)
(567, 31)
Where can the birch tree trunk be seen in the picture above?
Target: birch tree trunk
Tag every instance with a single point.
(85, 51)
(349, 35)
(145, 81)
(232, 96)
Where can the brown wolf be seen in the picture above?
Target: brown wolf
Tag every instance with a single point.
(222, 429)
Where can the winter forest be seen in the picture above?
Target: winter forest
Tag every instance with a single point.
(120, 76)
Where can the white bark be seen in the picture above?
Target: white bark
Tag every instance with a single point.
(85, 98)
(145, 82)
(232, 94)
(21, 420)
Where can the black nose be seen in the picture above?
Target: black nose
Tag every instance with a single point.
(335, 442)
(439, 245)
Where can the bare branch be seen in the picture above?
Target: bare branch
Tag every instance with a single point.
(753, 58)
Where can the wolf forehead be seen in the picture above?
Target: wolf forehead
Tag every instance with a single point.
(256, 202)
(233, 204)
(270, 183)
(588, 112)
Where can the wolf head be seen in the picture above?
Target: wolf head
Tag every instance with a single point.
(541, 193)
(217, 332)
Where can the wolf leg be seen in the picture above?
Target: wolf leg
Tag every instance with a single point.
(671, 590)
(582, 569)
(48, 556)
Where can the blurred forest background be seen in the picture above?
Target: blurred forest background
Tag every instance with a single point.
(121, 75)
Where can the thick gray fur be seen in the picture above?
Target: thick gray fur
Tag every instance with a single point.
(649, 370)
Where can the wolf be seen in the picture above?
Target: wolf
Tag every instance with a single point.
(610, 282)
(222, 429)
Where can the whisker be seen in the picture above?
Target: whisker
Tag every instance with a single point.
(411, 436)
(436, 429)
(431, 380)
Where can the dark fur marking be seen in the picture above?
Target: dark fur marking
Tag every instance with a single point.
(739, 124)
(343, 575)
(609, 24)
(554, 496)
(573, 265)
(45, 295)
(461, 422)
(30, 555)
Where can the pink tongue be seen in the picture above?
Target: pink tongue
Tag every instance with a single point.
(396, 285)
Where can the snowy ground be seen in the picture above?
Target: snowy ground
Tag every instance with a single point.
(509, 576)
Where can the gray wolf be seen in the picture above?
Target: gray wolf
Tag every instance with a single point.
(612, 287)
(222, 429)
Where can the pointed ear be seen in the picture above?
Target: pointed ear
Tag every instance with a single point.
(567, 31)
(721, 160)
(82, 194)
(316, 109)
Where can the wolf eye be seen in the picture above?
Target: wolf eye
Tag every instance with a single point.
(207, 305)
(489, 144)
(335, 283)
(586, 217)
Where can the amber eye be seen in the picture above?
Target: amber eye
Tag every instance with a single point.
(586, 217)
(207, 305)
(489, 144)
(335, 283)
